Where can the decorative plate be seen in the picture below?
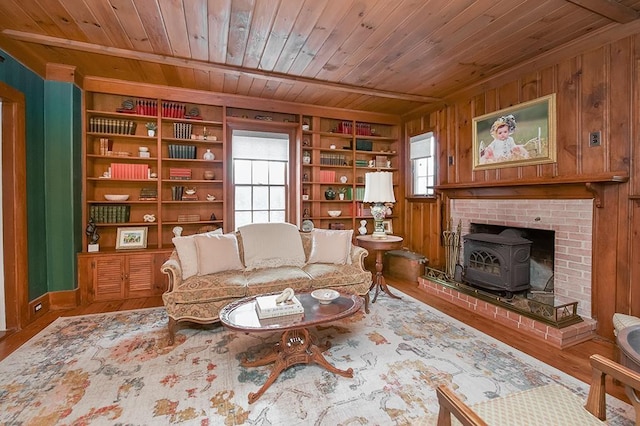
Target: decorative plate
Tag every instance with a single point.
(128, 104)
(307, 225)
(194, 112)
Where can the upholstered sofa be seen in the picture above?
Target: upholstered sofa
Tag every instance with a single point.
(207, 271)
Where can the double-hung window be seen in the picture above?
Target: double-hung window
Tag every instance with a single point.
(422, 157)
(260, 168)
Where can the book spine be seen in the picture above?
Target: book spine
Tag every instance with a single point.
(287, 310)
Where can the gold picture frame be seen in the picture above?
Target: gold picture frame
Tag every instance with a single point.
(131, 238)
(522, 135)
(388, 226)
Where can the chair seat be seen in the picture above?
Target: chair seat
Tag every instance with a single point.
(545, 405)
(621, 321)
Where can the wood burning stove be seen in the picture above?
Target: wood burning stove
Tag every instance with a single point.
(499, 262)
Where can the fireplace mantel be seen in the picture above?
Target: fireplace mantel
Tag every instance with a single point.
(608, 177)
(573, 187)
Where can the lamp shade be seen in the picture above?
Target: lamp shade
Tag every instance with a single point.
(378, 187)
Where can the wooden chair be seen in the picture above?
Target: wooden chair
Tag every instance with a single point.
(545, 405)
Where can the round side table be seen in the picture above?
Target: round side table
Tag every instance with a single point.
(380, 246)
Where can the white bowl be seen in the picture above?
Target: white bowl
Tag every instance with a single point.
(116, 197)
(325, 295)
(334, 213)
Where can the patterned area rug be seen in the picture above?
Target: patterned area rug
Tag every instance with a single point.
(117, 369)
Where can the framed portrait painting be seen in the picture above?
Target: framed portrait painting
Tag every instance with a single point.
(522, 135)
(131, 238)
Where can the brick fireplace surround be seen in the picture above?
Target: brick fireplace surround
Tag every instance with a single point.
(572, 222)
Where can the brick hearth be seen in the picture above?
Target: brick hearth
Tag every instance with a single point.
(558, 337)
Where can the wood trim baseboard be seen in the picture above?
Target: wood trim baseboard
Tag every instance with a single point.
(53, 301)
(66, 299)
(38, 307)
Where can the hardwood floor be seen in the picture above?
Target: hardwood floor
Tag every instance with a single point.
(573, 361)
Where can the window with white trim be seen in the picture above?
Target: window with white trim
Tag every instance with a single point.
(260, 184)
(423, 168)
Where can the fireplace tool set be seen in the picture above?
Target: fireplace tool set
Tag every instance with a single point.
(451, 249)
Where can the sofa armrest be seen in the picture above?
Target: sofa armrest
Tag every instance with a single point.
(173, 269)
(357, 255)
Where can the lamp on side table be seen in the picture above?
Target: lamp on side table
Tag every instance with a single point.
(378, 190)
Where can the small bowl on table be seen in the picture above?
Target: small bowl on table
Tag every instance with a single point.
(334, 213)
(325, 295)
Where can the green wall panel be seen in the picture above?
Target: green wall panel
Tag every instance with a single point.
(32, 86)
(62, 182)
(53, 147)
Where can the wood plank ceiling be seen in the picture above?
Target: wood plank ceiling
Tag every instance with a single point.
(372, 55)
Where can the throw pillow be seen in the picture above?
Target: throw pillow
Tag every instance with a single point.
(330, 246)
(187, 253)
(217, 253)
(270, 245)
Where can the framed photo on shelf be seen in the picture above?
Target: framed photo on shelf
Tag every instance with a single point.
(388, 226)
(131, 238)
(522, 135)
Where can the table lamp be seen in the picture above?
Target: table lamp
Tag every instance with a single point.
(378, 190)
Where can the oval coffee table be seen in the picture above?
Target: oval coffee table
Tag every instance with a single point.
(296, 345)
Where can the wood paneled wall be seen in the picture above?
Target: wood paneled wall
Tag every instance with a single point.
(595, 91)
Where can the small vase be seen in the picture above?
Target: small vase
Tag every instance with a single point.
(209, 155)
(330, 194)
(151, 132)
(363, 227)
(341, 196)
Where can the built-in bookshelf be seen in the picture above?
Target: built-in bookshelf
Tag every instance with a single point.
(336, 154)
(147, 151)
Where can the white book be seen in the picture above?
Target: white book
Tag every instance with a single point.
(266, 306)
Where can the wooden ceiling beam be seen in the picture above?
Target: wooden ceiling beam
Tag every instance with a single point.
(609, 9)
(207, 66)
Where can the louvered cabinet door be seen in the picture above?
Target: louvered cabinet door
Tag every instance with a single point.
(140, 275)
(108, 277)
(119, 276)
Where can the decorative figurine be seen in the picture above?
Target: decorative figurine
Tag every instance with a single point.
(363, 227)
(92, 232)
(177, 231)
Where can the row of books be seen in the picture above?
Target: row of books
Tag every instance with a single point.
(150, 107)
(182, 151)
(182, 130)
(129, 171)
(361, 210)
(361, 129)
(328, 159)
(148, 194)
(106, 146)
(113, 213)
(179, 173)
(112, 125)
(327, 176)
